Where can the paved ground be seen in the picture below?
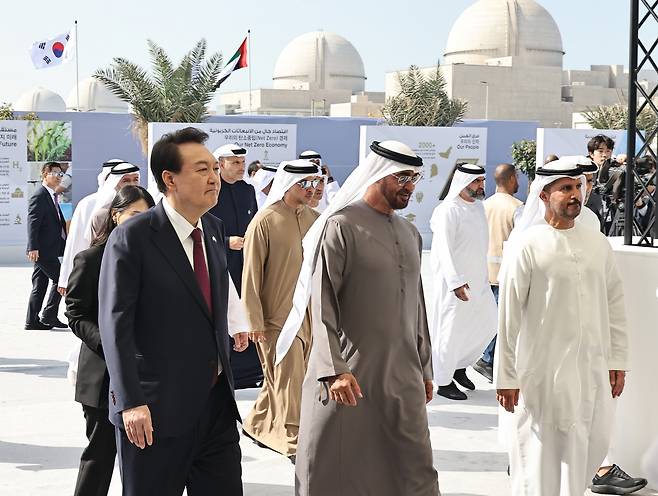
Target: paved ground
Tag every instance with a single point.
(42, 428)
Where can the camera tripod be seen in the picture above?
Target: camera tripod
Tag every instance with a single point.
(618, 222)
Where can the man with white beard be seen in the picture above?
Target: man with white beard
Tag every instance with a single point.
(562, 343)
(464, 317)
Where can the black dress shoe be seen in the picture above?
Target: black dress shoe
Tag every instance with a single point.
(616, 481)
(452, 392)
(38, 326)
(484, 369)
(56, 324)
(463, 380)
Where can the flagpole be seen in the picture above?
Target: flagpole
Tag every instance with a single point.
(249, 63)
(77, 70)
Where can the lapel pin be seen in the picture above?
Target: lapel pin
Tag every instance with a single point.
(213, 238)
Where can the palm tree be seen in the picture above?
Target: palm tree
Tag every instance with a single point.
(616, 117)
(423, 101)
(168, 94)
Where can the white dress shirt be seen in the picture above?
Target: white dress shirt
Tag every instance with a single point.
(237, 317)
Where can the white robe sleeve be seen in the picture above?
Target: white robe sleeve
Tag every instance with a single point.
(237, 317)
(514, 289)
(618, 359)
(75, 243)
(444, 226)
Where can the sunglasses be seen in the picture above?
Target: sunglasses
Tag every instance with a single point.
(404, 179)
(55, 174)
(308, 183)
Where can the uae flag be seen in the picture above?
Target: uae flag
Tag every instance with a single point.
(238, 61)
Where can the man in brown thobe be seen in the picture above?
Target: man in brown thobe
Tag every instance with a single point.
(272, 261)
(364, 427)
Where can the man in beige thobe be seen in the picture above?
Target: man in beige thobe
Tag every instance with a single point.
(500, 209)
(272, 261)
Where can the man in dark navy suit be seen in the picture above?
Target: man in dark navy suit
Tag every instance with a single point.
(236, 207)
(46, 238)
(163, 295)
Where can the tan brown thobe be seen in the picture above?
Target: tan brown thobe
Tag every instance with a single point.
(272, 261)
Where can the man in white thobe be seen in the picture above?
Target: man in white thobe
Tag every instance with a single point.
(562, 343)
(464, 309)
(76, 241)
(262, 182)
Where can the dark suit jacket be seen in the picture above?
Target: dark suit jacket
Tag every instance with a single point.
(44, 225)
(92, 383)
(160, 342)
(235, 207)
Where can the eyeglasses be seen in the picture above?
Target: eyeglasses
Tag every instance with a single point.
(55, 174)
(308, 183)
(404, 179)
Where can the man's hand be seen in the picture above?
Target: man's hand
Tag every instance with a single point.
(508, 398)
(139, 428)
(235, 243)
(344, 389)
(429, 391)
(61, 290)
(258, 336)
(462, 292)
(241, 341)
(33, 255)
(617, 382)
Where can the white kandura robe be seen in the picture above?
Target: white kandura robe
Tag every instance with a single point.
(260, 199)
(75, 240)
(460, 330)
(588, 218)
(562, 327)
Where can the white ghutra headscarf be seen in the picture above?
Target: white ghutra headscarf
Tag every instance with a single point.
(385, 158)
(287, 175)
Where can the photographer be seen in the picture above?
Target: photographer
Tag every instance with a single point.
(644, 205)
(599, 150)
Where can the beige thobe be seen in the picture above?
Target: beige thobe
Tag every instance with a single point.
(499, 209)
(272, 261)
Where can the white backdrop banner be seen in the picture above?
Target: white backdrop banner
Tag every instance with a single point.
(440, 148)
(269, 143)
(14, 177)
(562, 142)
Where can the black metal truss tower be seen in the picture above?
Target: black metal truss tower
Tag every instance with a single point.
(641, 101)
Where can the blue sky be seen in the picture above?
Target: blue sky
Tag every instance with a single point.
(388, 34)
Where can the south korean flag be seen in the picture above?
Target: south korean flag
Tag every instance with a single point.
(54, 51)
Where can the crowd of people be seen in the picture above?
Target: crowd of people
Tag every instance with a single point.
(231, 276)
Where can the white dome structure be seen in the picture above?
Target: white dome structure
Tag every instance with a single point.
(95, 97)
(319, 60)
(491, 29)
(40, 100)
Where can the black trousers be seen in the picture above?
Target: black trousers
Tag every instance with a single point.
(205, 460)
(97, 460)
(44, 270)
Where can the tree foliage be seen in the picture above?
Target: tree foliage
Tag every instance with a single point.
(423, 101)
(616, 117)
(7, 114)
(169, 93)
(524, 156)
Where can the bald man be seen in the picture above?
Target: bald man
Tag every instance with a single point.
(499, 209)
(551, 158)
